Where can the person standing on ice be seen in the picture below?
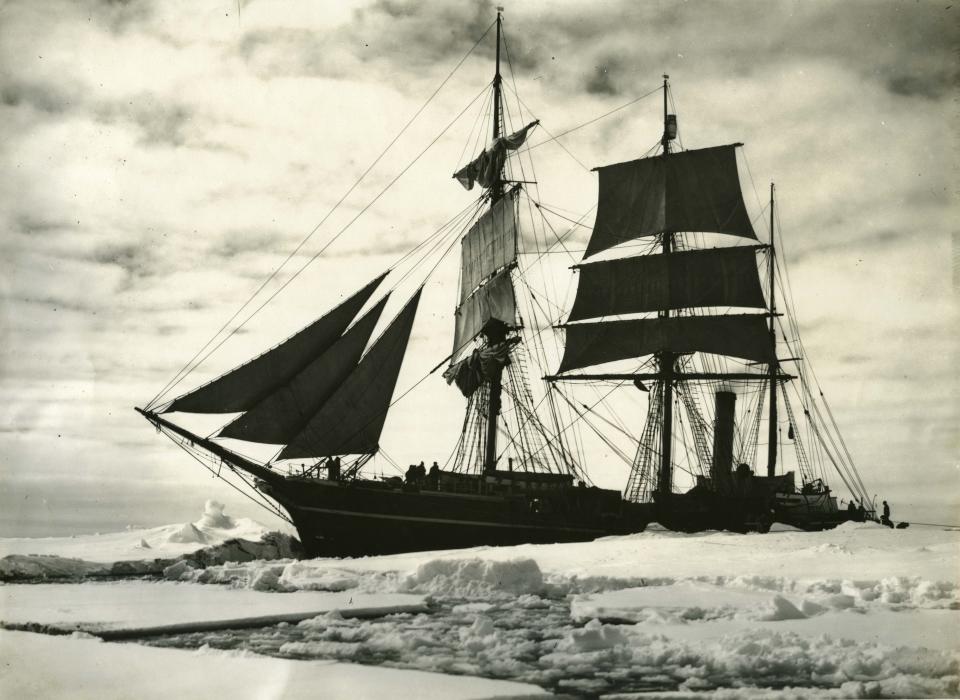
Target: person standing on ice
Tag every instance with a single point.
(885, 520)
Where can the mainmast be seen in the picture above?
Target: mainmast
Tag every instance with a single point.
(659, 197)
(666, 359)
(772, 436)
(496, 332)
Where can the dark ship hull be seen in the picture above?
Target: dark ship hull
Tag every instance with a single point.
(743, 502)
(814, 511)
(363, 517)
(700, 511)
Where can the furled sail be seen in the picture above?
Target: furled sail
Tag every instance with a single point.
(490, 244)
(494, 300)
(695, 190)
(486, 167)
(694, 278)
(742, 336)
(478, 367)
(243, 387)
(351, 420)
(280, 416)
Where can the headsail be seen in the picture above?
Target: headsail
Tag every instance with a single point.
(280, 416)
(743, 336)
(696, 190)
(351, 420)
(693, 278)
(243, 387)
(488, 166)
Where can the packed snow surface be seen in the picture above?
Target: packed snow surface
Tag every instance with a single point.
(40, 666)
(98, 606)
(164, 542)
(859, 611)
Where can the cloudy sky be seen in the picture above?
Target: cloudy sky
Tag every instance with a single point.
(160, 159)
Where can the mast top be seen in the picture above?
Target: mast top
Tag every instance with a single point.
(669, 120)
(496, 192)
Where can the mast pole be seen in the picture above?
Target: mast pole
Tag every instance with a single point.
(665, 480)
(772, 436)
(496, 193)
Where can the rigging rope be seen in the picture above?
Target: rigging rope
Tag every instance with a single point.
(321, 251)
(609, 443)
(539, 342)
(580, 126)
(182, 443)
(187, 369)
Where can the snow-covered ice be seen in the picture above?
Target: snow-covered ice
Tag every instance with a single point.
(859, 611)
(167, 541)
(214, 538)
(41, 666)
(862, 605)
(97, 606)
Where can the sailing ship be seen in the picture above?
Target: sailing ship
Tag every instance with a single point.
(684, 326)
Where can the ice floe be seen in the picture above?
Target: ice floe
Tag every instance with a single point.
(861, 611)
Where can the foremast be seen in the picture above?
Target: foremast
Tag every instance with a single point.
(487, 304)
(496, 332)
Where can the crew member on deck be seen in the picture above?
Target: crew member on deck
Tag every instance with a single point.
(434, 477)
(333, 469)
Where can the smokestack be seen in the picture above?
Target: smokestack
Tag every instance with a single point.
(726, 402)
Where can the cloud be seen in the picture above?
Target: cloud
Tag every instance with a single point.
(134, 259)
(424, 33)
(160, 122)
(601, 82)
(119, 15)
(45, 97)
(935, 86)
(884, 237)
(240, 242)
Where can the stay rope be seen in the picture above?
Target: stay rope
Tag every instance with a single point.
(193, 363)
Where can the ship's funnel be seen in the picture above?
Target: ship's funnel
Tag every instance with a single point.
(726, 402)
